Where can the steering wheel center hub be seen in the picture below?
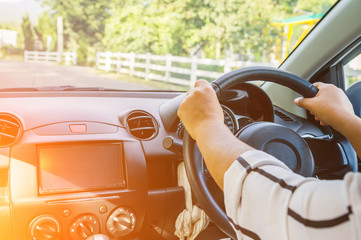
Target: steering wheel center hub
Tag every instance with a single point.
(280, 142)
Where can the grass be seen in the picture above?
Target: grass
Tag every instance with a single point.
(17, 58)
(150, 83)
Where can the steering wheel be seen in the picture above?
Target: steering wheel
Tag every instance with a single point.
(277, 140)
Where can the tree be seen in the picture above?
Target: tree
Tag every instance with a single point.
(185, 27)
(27, 33)
(211, 28)
(47, 28)
(83, 24)
(141, 28)
(233, 26)
(314, 6)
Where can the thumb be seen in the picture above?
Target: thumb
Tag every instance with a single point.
(303, 102)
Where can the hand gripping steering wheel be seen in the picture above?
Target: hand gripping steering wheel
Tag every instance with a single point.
(277, 140)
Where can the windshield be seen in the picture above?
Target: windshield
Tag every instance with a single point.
(144, 44)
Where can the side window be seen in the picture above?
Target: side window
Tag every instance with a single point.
(352, 71)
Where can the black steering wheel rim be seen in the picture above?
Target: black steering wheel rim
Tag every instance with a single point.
(269, 74)
(191, 154)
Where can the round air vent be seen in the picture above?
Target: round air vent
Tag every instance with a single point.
(141, 125)
(10, 129)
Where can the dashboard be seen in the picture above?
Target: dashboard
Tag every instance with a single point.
(74, 164)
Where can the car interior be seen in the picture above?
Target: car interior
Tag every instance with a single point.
(78, 163)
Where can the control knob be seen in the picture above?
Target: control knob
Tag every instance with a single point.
(84, 226)
(121, 222)
(44, 227)
(98, 237)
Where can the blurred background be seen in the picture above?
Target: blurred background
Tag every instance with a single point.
(172, 41)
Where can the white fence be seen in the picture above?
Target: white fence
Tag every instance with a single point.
(172, 69)
(35, 56)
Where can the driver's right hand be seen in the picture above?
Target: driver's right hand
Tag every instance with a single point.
(199, 108)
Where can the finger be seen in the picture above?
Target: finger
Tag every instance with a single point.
(180, 109)
(319, 85)
(296, 101)
(303, 102)
(323, 123)
(317, 119)
(201, 83)
(299, 101)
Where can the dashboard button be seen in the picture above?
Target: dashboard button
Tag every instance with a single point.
(78, 128)
(66, 213)
(103, 209)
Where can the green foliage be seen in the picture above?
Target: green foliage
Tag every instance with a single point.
(286, 6)
(353, 80)
(47, 27)
(83, 24)
(141, 28)
(209, 28)
(27, 33)
(183, 27)
(315, 6)
(7, 26)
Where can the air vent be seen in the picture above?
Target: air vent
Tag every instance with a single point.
(141, 125)
(283, 116)
(10, 129)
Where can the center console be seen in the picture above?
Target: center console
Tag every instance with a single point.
(73, 187)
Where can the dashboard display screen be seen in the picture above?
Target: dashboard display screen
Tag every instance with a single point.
(75, 168)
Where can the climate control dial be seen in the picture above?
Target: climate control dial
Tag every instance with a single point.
(44, 227)
(84, 226)
(121, 222)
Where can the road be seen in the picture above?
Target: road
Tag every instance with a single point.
(14, 74)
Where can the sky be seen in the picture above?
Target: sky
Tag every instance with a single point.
(12, 11)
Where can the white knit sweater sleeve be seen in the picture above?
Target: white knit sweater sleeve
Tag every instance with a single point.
(264, 199)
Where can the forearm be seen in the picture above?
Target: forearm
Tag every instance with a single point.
(264, 197)
(219, 147)
(351, 129)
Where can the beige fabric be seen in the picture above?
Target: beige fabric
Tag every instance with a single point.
(192, 220)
